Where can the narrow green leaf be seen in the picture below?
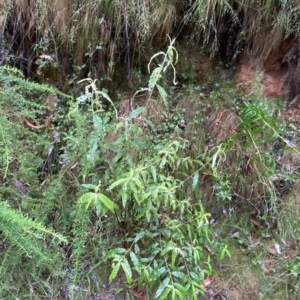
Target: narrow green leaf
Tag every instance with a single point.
(127, 270)
(136, 112)
(160, 272)
(138, 182)
(135, 261)
(124, 198)
(166, 249)
(97, 122)
(142, 90)
(87, 197)
(89, 186)
(115, 251)
(107, 202)
(195, 180)
(179, 275)
(163, 94)
(173, 259)
(165, 293)
(153, 171)
(146, 259)
(114, 272)
(145, 196)
(118, 182)
(139, 236)
(178, 292)
(98, 207)
(162, 287)
(199, 277)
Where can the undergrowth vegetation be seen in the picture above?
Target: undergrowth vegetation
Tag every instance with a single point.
(65, 41)
(150, 197)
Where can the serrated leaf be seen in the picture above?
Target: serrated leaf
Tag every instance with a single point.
(137, 248)
(195, 180)
(146, 259)
(114, 272)
(136, 112)
(184, 289)
(162, 287)
(139, 236)
(107, 202)
(133, 188)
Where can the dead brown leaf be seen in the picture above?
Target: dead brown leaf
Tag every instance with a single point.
(256, 223)
(28, 123)
(207, 281)
(138, 295)
(264, 269)
(272, 251)
(254, 241)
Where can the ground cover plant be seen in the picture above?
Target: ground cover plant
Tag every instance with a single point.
(150, 204)
(182, 188)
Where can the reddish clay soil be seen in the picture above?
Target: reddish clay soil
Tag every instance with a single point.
(271, 74)
(271, 81)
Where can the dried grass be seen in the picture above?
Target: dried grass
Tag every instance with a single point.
(222, 124)
(78, 28)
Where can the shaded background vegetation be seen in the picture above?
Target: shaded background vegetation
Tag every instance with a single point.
(94, 37)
